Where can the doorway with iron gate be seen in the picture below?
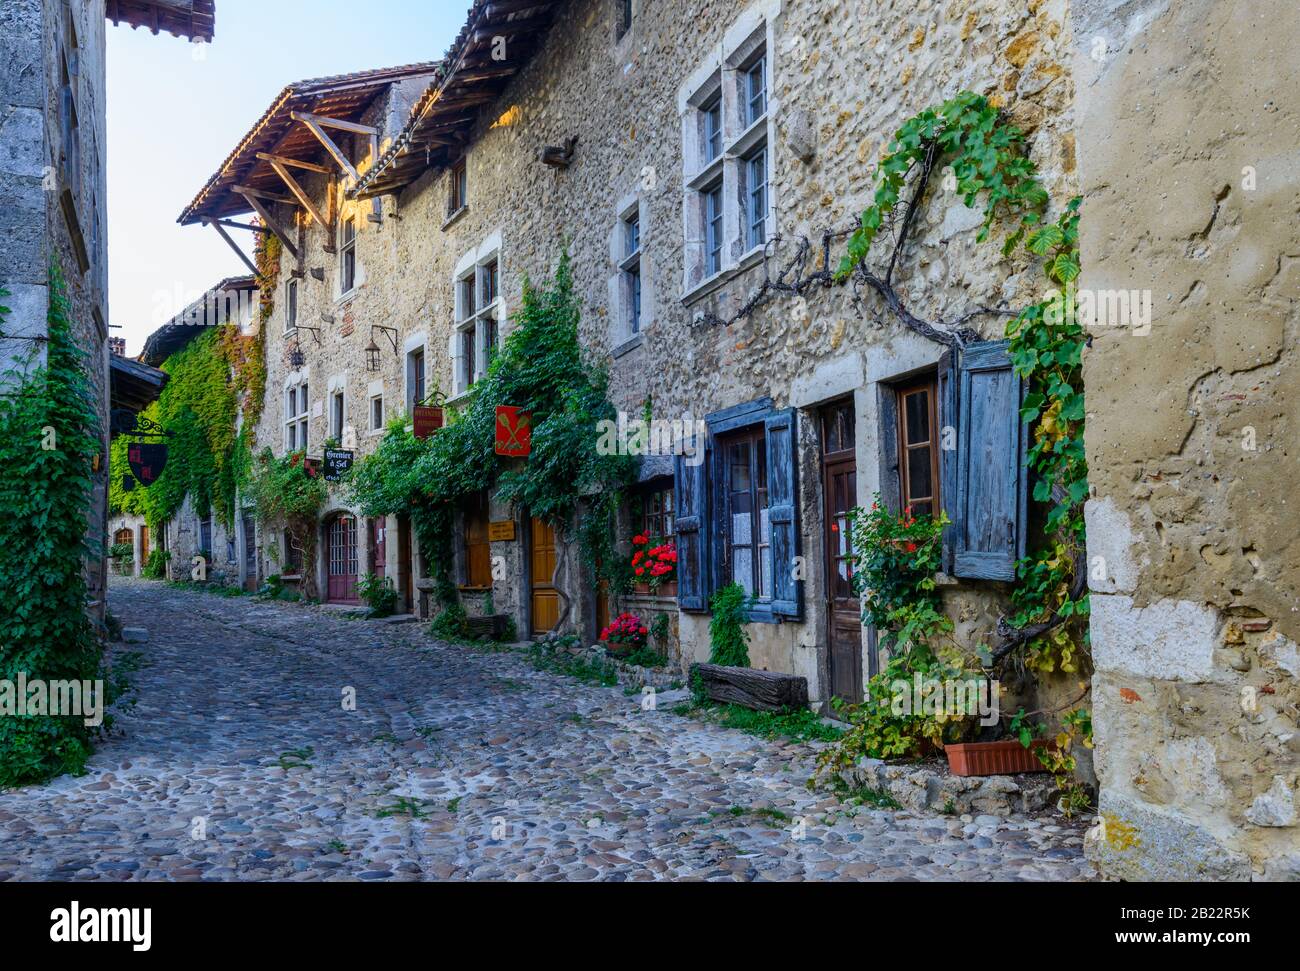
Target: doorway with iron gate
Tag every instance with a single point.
(839, 496)
(341, 559)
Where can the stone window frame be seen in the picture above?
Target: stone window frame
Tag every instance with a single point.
(629, 266)
(375, 394)
(348, 252)
(291, 296)
(477, 317)
(415, 342)
(722, 78)
(297, 419)
(338, 388)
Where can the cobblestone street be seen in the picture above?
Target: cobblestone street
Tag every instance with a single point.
(455, 764)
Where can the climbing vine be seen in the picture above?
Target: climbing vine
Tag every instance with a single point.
(49, 437)
(540, 369)
(288, 497)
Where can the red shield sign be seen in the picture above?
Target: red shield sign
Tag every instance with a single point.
(147, 461)
(514, 436)
(426, 420)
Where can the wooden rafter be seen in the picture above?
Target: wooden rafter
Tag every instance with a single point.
(299, 193)
(295, 163)
(254, 198)
(318, 124)
(218, 225)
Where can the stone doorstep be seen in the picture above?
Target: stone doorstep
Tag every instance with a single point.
(930, 787)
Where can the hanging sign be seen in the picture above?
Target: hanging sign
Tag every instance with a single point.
(514, 428)
(502, 532)
(427, 420)
(337, 462)
(147, 461)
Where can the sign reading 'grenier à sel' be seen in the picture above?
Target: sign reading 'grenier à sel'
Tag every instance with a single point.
(337, 463)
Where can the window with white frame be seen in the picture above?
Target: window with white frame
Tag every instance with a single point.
(290, 306)
(348, 256)
(337, 414)
(476, 336)
(296, 417)
(727, 159)
(414, 378)
(377, 413)
(630, 268)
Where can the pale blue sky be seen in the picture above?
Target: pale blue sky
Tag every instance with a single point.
(176, 110)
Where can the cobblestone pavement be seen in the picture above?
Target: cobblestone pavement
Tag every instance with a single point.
(455, 765)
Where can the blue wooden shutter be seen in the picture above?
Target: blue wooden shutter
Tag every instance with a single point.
(989, 527)
(782, 512)
(947, 386)
(690, 500)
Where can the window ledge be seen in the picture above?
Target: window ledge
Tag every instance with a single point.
(343, 299)
(627, 346)
(724, 276)
(460, 397)
(455, 217)
(749, 138)
(710, 173)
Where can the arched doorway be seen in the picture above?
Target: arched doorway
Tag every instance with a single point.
(341, 559)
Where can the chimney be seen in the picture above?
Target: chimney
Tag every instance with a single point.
(117, 346)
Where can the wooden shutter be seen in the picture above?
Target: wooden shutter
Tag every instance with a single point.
(782, 512)
(692, 544)
(947, 389)
(989, 525)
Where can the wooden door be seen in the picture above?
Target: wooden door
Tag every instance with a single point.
(545, 600)
(250, 552)
(839, 496)
(405, 584)
(341, 560)
(378, 539)
(144, 544)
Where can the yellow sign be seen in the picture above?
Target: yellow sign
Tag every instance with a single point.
(501, 532)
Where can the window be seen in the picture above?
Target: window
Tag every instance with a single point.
(756, 199)
(205, 536)
(348, 256)
(478, 551)
(755, 91)
(475, 341)
(414, 378)
(292, 555)
(377, 413)
(336, 415)
(295, 418)
(631, 270)
(747, 538)
(458, 197)
(624, 18)
(656, 520)
(290, 305)
(713, 129)
(713, 230)
(735, 514)
(918, 459)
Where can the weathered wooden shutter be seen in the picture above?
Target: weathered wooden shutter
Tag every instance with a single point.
(989, 525)
(782, 512)
(690, 499)
(947, 390)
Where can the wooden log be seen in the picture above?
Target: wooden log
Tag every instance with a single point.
(760, 690)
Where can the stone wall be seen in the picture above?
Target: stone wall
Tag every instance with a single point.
(1187, 125)
(844, 76)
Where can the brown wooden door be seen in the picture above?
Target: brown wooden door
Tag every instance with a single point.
(839, 495)
(250, 551)
(545, 600)
(341, 560)
(404, 563)
(144, 544)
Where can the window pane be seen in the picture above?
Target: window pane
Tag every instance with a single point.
(740, 467)
(742, 568)
(919, 482)
(917, 407)
(765, 584)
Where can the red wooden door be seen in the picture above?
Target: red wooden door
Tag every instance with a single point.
(341, 553)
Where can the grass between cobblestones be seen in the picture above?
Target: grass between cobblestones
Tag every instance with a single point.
(796, 726)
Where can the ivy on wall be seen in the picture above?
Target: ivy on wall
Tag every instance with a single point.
(49, 436)
(540, 368)
(285, 496)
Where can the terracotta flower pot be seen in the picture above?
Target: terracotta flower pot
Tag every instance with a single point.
(994, 758)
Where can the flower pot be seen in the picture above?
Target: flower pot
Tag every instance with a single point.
(994, 758)
(667, 589)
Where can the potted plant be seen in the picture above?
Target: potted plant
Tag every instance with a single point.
(654, 565)
(625, 635)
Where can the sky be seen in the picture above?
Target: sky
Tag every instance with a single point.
(176, 110)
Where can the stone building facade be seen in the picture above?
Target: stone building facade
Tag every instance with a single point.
(724, 134)
(53, 188)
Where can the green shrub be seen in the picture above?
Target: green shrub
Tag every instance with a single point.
(730, 643)
(379, 594)
(155, 567)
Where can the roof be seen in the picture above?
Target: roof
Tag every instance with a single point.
(468, 78)
(195, 19)
(189, 323)
(342, 96)
(133, 384)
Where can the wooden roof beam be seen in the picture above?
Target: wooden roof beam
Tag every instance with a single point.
(254, 198)
(219, 226)
(295, 163)
(299, 194)
(315, 123)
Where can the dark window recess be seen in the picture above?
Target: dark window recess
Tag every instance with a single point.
(415, 377)
(746, 534)
(205, 537)
(918, 447)
(656, 519)
(624, 14)
(336, 415)
(458, 198)
(292, 556)
(348, 256)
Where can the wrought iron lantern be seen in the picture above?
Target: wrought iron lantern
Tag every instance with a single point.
(296, 357)
(372, 356)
